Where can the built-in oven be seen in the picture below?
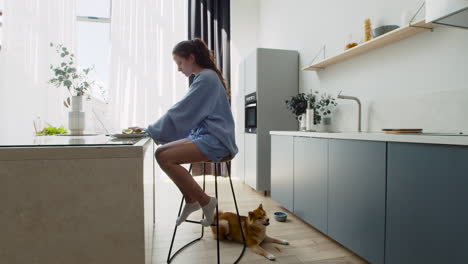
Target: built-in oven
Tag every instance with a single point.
(251, 113)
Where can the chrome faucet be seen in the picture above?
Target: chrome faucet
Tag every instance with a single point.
(359, 105)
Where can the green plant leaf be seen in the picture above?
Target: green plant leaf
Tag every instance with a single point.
(67, 83)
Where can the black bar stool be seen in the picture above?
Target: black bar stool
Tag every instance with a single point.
(227, 160)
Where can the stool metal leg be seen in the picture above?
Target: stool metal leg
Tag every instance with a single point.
(228, 164)
(217, 215)
(169, 257)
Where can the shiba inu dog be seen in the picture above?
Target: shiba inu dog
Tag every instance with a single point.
(254, 227)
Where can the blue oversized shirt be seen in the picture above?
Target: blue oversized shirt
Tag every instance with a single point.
(205, 106)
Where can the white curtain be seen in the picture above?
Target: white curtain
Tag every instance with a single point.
(28, 28)
(144, 81)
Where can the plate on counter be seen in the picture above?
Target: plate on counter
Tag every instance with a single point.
(132, 135)
(402, 130)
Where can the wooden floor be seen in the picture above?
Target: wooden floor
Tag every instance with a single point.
(307, 245)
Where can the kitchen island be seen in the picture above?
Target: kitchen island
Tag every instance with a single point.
(76, 199)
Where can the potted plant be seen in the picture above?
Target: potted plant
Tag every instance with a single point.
(313, 103)
(78, 84)
(324, 109)
(298, 106)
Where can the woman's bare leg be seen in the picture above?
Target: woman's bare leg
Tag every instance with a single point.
(170, 158)
(165, 147)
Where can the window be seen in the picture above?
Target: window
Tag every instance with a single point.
(94, 40)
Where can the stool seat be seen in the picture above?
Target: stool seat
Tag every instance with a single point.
(225, 159)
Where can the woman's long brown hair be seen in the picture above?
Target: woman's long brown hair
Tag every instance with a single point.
(203, 56)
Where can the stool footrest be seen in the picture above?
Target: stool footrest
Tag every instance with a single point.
(195, 222)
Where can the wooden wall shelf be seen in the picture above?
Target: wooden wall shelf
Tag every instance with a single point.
(380, 41)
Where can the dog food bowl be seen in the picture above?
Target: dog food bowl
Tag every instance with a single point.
(280, 216)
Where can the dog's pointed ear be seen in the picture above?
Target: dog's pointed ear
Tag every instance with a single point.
(260, 206)
(251, 216)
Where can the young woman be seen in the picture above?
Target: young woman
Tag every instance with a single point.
(198, 128)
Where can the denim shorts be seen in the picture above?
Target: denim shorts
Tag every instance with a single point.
(209, 145)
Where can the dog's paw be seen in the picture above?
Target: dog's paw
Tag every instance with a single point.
(284, 242)
(270, 257)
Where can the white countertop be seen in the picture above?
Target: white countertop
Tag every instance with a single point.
(427, 138)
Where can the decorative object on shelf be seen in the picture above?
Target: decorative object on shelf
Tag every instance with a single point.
(367, 29)
(383, 29)
(350, 43)
(77, 82)
(324, 108)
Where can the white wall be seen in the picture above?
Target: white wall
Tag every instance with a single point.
(420, 82)
(244, 31)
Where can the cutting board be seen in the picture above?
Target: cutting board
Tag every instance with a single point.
(402, 130)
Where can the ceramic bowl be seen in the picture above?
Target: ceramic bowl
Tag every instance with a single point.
(383, 29)
(280, 216)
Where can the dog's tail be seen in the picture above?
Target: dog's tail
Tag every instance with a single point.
(220, 212)
(213, 228)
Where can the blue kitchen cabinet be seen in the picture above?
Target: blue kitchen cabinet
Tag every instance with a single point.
(282, 174)
(427, 201)
(356, 196)
(310, 180)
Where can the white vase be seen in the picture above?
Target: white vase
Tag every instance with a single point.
(303, 122)
(310, 119)
(76, 117)
(77, 103)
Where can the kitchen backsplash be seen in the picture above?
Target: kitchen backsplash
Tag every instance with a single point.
(434, 112)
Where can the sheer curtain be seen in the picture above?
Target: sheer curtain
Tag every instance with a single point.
(28, 28)
(144, 81)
